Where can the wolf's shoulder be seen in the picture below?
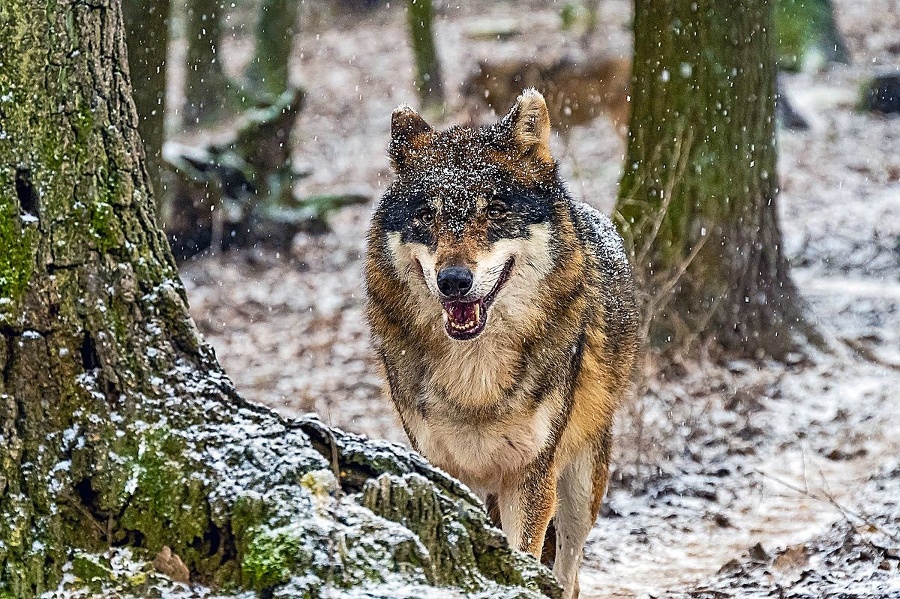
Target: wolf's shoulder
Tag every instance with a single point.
(599, 235)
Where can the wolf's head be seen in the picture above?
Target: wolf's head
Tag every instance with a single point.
(467, 224)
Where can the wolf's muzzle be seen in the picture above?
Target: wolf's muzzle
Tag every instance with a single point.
(454, 281)
(466, 319)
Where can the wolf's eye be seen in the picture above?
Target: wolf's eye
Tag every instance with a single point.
(425, 216)
(496, 212)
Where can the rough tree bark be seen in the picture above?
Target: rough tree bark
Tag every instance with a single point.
(700, 184)
(147, 37)
(429, 81)
(120, 434)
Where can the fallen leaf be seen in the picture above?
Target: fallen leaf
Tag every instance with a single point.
(169, 564)
(791, 558)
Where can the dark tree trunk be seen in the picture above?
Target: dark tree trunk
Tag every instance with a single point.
(429, 81)
(147, 36)
(698, 194)
(206, 87)
(268, 72)
(119, 433)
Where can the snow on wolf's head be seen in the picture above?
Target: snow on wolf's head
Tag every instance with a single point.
(469, 220)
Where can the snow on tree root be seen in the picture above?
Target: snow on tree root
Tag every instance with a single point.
(252, 501)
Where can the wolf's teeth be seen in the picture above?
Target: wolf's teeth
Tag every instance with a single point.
(468, 325)
(463, 326)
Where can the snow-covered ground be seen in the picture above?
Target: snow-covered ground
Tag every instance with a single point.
(713, 460)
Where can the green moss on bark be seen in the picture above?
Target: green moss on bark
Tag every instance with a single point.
(104, 227)
(15, 256)
(273, 556)
(91, 570)
(161, 499)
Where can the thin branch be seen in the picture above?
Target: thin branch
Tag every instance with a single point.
(683, 143)
(868, 353)
(78, 505)
(682, 268)
(828, 498)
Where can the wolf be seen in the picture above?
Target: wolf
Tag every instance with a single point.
(503, 313)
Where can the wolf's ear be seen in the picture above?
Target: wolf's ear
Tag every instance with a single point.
(406, 125)
(529, 125)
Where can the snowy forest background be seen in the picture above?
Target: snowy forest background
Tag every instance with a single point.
(265, 125)
(779, 438)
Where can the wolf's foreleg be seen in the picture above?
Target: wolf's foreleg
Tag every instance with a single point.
(574, 518)
(581, 487)
(527, 506)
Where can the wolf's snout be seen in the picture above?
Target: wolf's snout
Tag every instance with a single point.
(454, 281)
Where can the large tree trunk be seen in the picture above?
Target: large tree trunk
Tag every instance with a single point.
(147, 25)
(119, 432)
(698, 193)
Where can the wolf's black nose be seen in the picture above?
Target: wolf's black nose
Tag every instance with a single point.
(454, 281)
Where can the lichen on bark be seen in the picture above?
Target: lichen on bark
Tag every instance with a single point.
(119, 433)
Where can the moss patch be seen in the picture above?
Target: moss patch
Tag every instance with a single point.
(91, 570)
(161, 500)
(15, 256)
(273, 555)
(105, 228)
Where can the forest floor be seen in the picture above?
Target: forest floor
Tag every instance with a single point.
(735, 479)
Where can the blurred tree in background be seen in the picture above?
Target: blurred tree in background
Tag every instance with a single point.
(147, 37)
(807, 35)
(697, 198)
(206, 86)
(429, 81)
(267, 74)
(580, 18)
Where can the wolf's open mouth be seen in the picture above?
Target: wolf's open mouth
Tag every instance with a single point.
(464, 320)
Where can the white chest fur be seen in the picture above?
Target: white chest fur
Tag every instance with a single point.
(482, 453)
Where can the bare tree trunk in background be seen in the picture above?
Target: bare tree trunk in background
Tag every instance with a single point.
(698, 193)
(119, 433)
(274, 38)
(206, 86)
(147, 37)
(429, 82)
(807, 35)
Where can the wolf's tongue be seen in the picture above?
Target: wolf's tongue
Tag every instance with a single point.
(461, 312)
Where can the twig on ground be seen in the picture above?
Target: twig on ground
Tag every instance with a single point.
(828, 498)
(867, 353)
